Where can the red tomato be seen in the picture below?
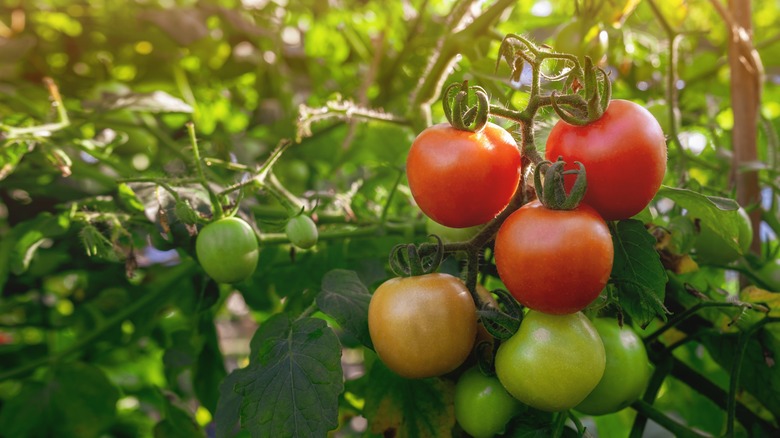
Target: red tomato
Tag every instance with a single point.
(460, 178)
(624, 153)
(554, 261)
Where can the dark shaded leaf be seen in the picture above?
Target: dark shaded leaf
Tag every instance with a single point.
(411, 408)
(293, 381)
(346, 299)
(637, 272)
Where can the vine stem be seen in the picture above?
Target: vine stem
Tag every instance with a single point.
(215, 204)
(673, 322)
(678, 429)
(183, 270)
(62, 115)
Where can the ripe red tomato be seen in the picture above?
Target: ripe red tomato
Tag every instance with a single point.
(553, 361)
(460, 178)
(554, 261)
(624, 153)
(422, 326)
(626, 373)
(227, 250)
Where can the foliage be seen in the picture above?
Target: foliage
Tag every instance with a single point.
(127, 127)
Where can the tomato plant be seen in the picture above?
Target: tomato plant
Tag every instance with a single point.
(712, 248)
(626, 372)
(227, 250)
(422, 326)
(482, 405)
(460, 178)
(553, 362)
(624, 153)
(554, 261)
(302, 231)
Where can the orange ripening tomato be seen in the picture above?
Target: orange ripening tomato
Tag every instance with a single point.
(554, 261)
(624, 153)
(460, 178)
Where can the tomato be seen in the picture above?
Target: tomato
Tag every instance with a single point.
(482, 405)
(713, 249)
(624, 153)
(553, 361)
(449, 235)
(770, 274)
(227, 250)
(460, 178)
(626, 372)
(554, 261)
(302, 231)
(580, 38)
(422, 326)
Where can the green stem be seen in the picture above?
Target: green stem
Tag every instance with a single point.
(181, 271)
(559, 423)
(678, 429)
(663, 368)
(215, 204)
(673, 322)
(393, 190)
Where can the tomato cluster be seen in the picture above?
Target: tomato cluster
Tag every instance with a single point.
(553, 254)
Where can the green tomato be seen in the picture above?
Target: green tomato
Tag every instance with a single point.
(713, 249)
(302, 231)
(450, 235)
(227, 250)
(553, 361)
(626, 373)
(770, 274)
(482, 405)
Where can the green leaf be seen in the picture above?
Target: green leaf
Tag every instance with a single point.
(28, 236)
(346, 299)
(229, 405)
(759, 374)
(711, 210)
(292, 384)
(637, 272)
(411, 408)
(126, 197)
(77, 401)
(11, 154)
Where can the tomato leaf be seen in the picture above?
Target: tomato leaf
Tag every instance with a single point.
(346, 299)
(293, 381)
(229, 405)
(411, 408)
(709, 209)
(759, 374)
(637, 272)
(77, 401)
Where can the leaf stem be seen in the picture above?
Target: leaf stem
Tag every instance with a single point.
(676, 428)
(215, 204)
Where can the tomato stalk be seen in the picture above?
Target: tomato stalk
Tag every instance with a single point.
(552, 192)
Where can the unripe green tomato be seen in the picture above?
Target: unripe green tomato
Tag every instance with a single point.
(450, 235)
(553, 361)
(770, 274)
(227, 250)
(626, 373)
(482, 405)
(302, 231)
(712, 249)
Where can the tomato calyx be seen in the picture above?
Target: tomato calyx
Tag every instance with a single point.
(458, 112)
(598, 92)
(501, 324)
(552, 192)
(409, 260)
